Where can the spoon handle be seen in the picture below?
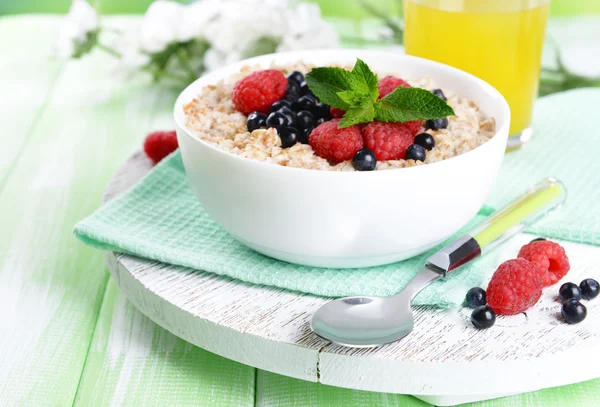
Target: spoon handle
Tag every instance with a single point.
(503, 224)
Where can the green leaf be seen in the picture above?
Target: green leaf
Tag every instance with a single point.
(409, 104)
(355, 99)
(358, 115)
(326, 83)
(364, 81)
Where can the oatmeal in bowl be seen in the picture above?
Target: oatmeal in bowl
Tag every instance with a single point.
(341, 158)
(273, 115)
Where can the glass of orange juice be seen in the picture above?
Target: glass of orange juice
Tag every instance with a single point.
(499, 41)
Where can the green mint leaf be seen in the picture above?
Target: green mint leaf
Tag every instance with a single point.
(357, 115)
(409, 104)
(364, 81)
(355, 99)
(326, 83)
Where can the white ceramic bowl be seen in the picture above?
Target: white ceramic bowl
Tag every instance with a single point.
(345, 219)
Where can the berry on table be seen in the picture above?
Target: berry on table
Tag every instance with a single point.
(425, 140)
(573, 311)
(569, 291)
(335, 144)
(304, 119)
(389, 141)
(296, 76)
(256, 120)
(483, 317)
(258, 91)
(515, 287)
(278, 120)
(160, 144)
(437, 124)
(388, 84)
(440, 94)
(364, 160)
(589, 288)
(288, 136)
(306, 102)
(280, 104)
(475, 297)
(549, 258)
(415, 152)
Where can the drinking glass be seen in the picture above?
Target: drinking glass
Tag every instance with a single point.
(499, 41)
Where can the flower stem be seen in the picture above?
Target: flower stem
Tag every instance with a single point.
(109, 50)
(183, 57)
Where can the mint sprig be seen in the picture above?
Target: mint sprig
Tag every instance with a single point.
(356, 92)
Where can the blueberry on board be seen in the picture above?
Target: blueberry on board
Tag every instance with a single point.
(483, 317)
(589, 288)
(288, 136)
(573, 311)
(364, 160)
(475, 297)
(280, 104)
(440, 94)
(304, 119)
(304, 134)
(425, 140)
(539, 239)
(415, 152)
(256, 120)
(569, 291)
(321, 111)
(436, 124)
(304, 103)
(296, 77)
(277, 120)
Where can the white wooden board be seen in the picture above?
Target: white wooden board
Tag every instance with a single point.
(445, 360)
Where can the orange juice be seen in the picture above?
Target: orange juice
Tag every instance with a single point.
(499, 41)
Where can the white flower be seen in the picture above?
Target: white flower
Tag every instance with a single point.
(75, 33)
(307, 30)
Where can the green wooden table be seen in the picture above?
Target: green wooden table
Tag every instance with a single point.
(68, 337)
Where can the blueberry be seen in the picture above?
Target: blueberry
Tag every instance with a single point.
(277, 120)
(304, 88)
(437, 124)
(539, 239)
(321, 110)
(256, 120)
(296, 77)
(304, 103)
(589, 288)
(304, 119)
(475, 297)
(289, 115)
(364, 160)
(288, 136)
(292, 92)
(415, 152)
(573, 311)
(438, 92)
(483, 317)
(569, 291)
(280, 104)
(425, 140)
(320, 121)
(304, 134)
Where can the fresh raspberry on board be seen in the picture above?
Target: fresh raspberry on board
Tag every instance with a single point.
(388, 141)
(549, 258)
(337, 113)
(388, 84)
(333, 144)
(515, 287)
(258, 91)
(160, 144)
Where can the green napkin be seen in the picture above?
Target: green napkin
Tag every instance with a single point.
(161, 219)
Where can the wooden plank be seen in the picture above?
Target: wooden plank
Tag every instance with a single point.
(134, 362)
(273, 390)
(50, 285)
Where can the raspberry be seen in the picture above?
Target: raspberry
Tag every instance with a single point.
(258, 91)
(515, 287)
(388, 141)
(333, 144)
(550, 259)
(337, 113)
(160, 144)
(388, 84)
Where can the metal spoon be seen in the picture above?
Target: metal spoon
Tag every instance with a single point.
(374, 321)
